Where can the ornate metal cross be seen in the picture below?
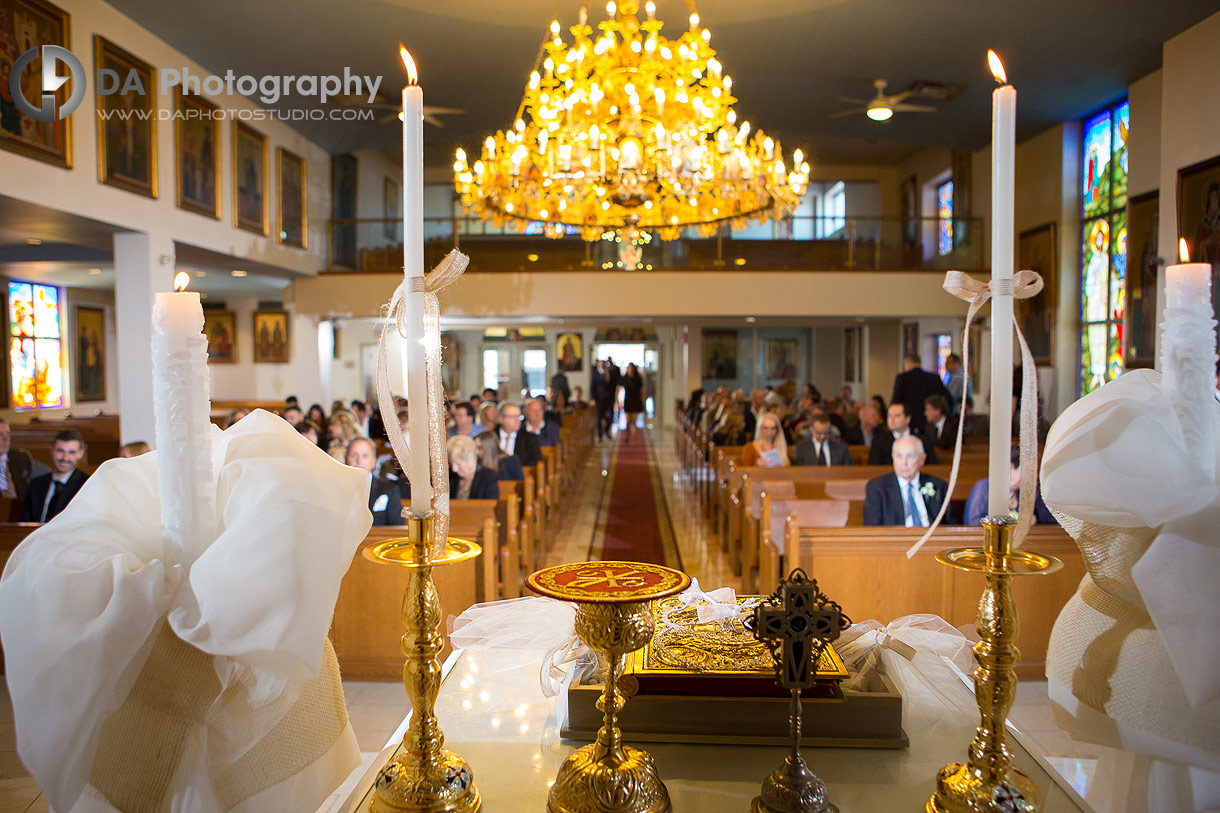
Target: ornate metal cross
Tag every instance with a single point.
(797, 627)
(796, 622)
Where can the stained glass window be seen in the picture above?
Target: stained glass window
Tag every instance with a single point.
(1103, 255)
(34, 348)
(944, 210)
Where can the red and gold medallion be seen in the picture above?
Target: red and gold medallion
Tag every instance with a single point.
(608, 582)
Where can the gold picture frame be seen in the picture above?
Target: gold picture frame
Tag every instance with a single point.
(1199, 218)
(89, 351)
(271, 338)
(220, 327)
(1143, 269)
(46, 24)
(127, 122)
(197, 154)
(249, 179)
(1036, 251)
(292, 223)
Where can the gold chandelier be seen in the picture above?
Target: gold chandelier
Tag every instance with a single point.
(629, 130)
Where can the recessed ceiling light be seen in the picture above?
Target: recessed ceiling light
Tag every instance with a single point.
(750, 320)
(739, 261)
(201, 273)
(237, 273)
(33, 241)
(95, 271)
(532, 257)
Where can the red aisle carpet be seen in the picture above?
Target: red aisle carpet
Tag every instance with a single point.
(638, 527)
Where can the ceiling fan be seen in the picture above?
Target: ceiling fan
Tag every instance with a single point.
(393, 112)
(881, 107)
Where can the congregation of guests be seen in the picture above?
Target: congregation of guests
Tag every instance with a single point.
(779, 426)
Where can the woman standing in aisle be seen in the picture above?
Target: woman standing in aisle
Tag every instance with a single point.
(633, 398)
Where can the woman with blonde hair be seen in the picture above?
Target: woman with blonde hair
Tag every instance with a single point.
(491, 456)
(343, 429)
(769, 448)
(468, 478)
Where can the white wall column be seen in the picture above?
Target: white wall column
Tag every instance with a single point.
(143, 267)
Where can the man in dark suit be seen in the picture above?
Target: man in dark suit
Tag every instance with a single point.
(862, 434)
(941, 427)
(898, 423)
(385, 498)
(906, 497)
(513, 440)
(51, 493)
(913, 386)
(538, 424)
(822, 449)
(602, 388)
(17, 468)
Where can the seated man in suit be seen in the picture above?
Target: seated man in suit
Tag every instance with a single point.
(51, 493)
(821, 449)
(522, 445)
(537, 424)
(906, 497)
(898, 423)
(941, 428)
(385, 500)
(862, 434)
(464, 422)
(17, 468)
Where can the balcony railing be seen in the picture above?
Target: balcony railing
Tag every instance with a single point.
(802, 243)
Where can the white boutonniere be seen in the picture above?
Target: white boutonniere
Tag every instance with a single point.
(928, 491)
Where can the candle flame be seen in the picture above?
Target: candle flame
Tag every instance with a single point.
(997, 67)
(1183, 250)
(412, 74)
(181, 280)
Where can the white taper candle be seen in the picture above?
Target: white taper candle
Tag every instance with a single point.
(1003, 155)
(413, 269)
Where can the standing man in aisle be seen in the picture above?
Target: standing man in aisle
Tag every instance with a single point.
(604, 387)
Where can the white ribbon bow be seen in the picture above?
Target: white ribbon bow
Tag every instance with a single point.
(445, 274)
(718, 605)
(1024, 285)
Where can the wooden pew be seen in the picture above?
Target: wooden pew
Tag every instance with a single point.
(508, 513)
(476, 520)
(367, 626)
(867, 572)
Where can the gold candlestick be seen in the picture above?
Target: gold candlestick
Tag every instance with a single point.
(613, 617)
(423, 778)
(989, 781)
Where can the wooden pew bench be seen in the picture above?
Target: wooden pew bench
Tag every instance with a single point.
(866, 570)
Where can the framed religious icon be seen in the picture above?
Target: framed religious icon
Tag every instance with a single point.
(25, 24)
(720, 354)
(250, 178)
(781, 358)
(1199, 217)
(393, 209)
(1036, 316)
(852, 339)
(569, 352)
(910, 339)
(90, 349)
(271, 337)
(127, 119)
(1143, 220)
(343, 169)
(197, 154)
(451, 363)
(221, 329)
(909, 193)
(292, 199)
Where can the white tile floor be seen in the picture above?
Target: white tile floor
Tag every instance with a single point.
(376, 710)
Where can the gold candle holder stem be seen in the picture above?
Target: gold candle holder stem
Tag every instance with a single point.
(423, 777)
(989, 781)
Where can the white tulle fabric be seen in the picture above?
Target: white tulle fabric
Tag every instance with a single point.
(82, 599)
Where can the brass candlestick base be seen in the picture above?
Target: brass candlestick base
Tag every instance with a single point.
(989, 781)
(613, 617)
(792, 787)
(424, 778)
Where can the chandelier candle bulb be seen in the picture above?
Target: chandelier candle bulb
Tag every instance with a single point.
(420, 475)
(1003, 164)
